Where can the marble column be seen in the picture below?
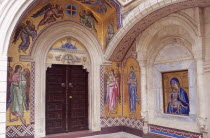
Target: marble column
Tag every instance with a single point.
(144, 111)
(3, 90)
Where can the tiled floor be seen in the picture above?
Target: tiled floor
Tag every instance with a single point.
(114, 135)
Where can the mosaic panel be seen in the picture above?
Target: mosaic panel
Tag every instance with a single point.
(102, 90)
(173, 133)
(32, 91)
(20, 130)
(122, 121)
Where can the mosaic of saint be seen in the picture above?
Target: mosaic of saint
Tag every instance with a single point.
(132, 89)
(18, 94)
(24, 32)
(112, 93)
(176, 92)
(109, 31)
(94, 14)
(101, 17)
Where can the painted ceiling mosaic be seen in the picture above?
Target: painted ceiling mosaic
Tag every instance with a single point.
(101, 17)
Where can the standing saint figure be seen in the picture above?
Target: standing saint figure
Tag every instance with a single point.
(178, 99)
(18, 95)
(132, 89)
(112, 93)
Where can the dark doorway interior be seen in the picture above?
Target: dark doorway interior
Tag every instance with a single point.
(66, 99)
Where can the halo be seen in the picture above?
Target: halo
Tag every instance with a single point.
(18, 64)
(175, 76)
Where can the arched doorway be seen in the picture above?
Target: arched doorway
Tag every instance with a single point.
(67, 87)
(38, 56)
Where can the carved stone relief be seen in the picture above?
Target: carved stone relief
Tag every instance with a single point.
(68, 54)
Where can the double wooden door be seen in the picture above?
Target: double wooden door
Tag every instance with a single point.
(66, 99)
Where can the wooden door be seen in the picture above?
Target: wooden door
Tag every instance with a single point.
(78, 112)
(66, 99)
(55, 100)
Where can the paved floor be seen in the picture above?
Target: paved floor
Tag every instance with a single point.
(114, 135)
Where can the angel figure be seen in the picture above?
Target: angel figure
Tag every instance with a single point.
(87, 17)
(101, 5)
(19, 93)
(25, 31)
(51, 12)
(112, 92)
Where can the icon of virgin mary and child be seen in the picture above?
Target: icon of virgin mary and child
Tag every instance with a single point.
(178, 99)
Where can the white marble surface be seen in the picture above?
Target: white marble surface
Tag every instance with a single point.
(114, 135)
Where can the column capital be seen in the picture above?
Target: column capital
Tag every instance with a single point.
(142, 62)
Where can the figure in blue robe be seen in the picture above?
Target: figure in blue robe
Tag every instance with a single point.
(179, 102)
(132, 89)
(68, 45)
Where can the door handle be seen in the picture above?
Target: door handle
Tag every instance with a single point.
(63, 85)
(71, 85)
(70, 97)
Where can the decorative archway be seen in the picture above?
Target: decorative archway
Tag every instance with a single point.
(38, 55)
(182, 33)
(139, 19)
(12, 10)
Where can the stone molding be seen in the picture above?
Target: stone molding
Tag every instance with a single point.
(39, 52)
(181, 33)
(142, 17)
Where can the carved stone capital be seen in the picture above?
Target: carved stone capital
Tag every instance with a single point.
(87, 67)
(48, 65)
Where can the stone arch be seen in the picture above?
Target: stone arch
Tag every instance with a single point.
(38, 55)
(184, 47)
(141, 18)
(12, 11)
(186, 30)
(185, 36)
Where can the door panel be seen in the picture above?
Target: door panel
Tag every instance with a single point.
(66, 99)
(55, 100)
(79, 102)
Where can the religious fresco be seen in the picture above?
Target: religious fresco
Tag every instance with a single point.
(131, 84)
(88, 19)
(23, 33)
(68, 50)
(93, 14)
(19, 75)
(112, 90)
(49, 13)
(42, 13)
(18, 93)
(176, 92)
(110, 28)
(100, 6)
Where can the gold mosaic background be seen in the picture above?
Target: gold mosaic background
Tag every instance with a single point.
(182, 76)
